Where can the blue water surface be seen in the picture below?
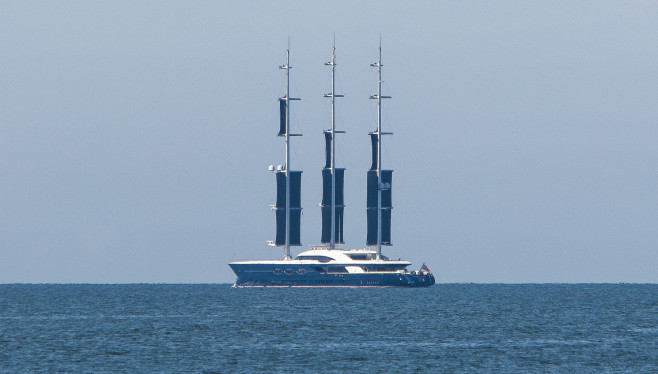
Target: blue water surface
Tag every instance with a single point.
(146, 328)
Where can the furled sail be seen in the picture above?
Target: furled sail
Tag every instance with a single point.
(374, 141)
(372, 216)
(295, 207)
(282, 115)
(326, 206)
(327, 149)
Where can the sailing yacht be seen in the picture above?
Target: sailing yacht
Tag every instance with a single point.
(326, 265)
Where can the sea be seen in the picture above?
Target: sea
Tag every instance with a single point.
(216, 328)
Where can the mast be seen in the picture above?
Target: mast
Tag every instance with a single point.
(331, 157)
(291, 179)
(286, 248)
(377, 160)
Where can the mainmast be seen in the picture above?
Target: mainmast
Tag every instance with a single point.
(334, 228)
(288, 181)
(382, 183)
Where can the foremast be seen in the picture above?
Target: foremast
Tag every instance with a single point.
(288, 204)
(332, 178)
(379, 181)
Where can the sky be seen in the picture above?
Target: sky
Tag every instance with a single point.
(135, 137)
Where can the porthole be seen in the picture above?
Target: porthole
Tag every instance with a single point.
(276, 271)
(288, 271)
(301, 271)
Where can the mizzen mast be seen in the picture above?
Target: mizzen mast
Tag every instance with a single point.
(379, 181)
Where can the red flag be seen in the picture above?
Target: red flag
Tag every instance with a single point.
(424, 267)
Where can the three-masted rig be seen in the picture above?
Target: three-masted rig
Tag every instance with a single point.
(326, 265)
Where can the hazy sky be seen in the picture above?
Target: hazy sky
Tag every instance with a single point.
(135, 136)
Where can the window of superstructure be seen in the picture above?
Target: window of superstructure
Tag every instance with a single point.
(316, 258)
(359, 256)
(337, 269)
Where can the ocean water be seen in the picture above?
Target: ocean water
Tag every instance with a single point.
(140, 328)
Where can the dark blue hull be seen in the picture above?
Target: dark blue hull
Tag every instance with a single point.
(264, 275)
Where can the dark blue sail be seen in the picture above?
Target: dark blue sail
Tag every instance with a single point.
(371, 203)
(327, 150)
(386, 226)
(295, 190)
(280, 190)
(282, 116)
(387, 181)
(372, 226)
(326, 186)
(372, 190)
(374, 141)
(386, 206)
(295, 207)
(326, 206)
(280, 227)
(295, 224)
